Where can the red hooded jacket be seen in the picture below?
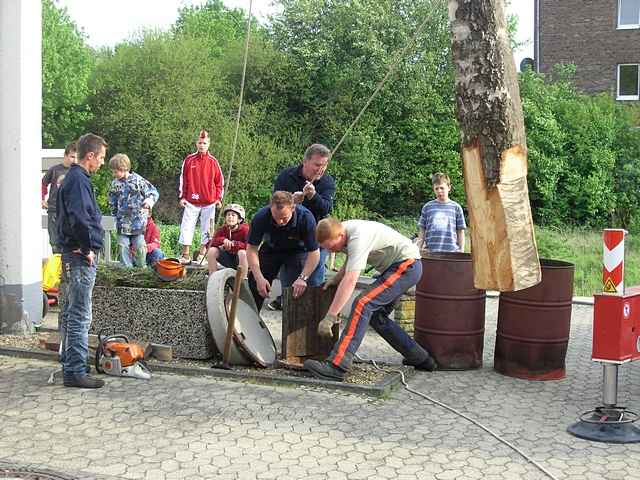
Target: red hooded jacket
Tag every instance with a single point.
(152, 235)
(201, 180)
(239, 237)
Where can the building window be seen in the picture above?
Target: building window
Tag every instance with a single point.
(629, 82)
(628, 13)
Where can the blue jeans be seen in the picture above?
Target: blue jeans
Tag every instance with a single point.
(125, 242)
(77, 283)
(153, 256)
(317, 277)
(373, 306)
(270, 264)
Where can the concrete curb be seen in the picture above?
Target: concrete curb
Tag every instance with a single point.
(381, 389)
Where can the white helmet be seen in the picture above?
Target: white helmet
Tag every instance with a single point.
(234, 207)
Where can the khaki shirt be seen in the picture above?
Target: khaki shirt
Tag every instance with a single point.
(375, 244)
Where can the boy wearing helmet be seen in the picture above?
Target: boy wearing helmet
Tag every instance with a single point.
(229, 243)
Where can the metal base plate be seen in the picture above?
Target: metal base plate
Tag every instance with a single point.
(607, 424)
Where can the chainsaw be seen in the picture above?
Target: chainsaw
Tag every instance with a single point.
(119, 357)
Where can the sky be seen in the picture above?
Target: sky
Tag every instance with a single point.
(107, 22)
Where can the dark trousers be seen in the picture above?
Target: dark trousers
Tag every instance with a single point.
(53, 231)
(270, 263)
(373, 306)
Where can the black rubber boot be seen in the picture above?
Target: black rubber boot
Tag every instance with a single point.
(324, 370)
(428, 365)
(83, 381)
(87, 370)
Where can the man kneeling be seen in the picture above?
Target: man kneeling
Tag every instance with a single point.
(397, 259)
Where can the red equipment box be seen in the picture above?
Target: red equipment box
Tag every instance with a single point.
(616, 327)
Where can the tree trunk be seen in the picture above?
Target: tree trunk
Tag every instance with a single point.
(494, 150)
(300, 318)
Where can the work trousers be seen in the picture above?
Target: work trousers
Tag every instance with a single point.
(373, 306)
(52, 229)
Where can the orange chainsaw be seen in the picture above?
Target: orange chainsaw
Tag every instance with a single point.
(119, 357)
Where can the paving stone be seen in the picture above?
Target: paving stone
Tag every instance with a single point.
(200, 428)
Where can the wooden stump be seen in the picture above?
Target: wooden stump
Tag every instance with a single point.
(494, 149)
(300, 318)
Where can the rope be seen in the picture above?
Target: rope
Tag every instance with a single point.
(466, 417)
(392, 69)
(244, 72)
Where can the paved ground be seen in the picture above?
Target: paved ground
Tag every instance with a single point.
(200, 428)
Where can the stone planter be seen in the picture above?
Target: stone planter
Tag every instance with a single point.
(171, 317)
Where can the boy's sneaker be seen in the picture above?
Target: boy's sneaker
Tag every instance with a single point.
(275, 305)
(429, 365)
(83, 381)
(184, 260)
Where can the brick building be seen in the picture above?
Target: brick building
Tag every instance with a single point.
(601, 37)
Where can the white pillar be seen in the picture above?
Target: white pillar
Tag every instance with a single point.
(20, 142)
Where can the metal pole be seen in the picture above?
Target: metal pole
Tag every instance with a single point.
(609, 384)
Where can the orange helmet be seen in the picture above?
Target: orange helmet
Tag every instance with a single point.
(169, 269)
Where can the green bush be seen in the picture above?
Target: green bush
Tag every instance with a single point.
(584, 154)
(169, 235)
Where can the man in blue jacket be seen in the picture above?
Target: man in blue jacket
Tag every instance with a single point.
(80, 236)
(313, 189)
(282, 235)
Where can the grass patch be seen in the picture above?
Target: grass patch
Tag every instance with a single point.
(583, 248)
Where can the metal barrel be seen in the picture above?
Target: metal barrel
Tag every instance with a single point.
(533, 326)
(450, 311)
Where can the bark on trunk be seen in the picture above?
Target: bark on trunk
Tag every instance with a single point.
(494, 150)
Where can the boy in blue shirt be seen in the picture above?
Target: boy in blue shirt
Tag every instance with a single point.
(441, 225)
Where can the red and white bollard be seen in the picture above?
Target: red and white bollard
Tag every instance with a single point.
(616, 340)
(613, 260)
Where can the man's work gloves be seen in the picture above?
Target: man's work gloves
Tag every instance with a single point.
(326, 324)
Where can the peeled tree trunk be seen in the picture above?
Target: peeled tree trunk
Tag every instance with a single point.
(494, 150)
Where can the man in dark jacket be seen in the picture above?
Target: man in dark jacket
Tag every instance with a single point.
(80, 236)
(50, 184)
(282, 235)
(313, 189)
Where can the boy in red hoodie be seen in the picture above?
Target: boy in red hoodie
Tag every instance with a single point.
(152, 239)
(229, 243)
